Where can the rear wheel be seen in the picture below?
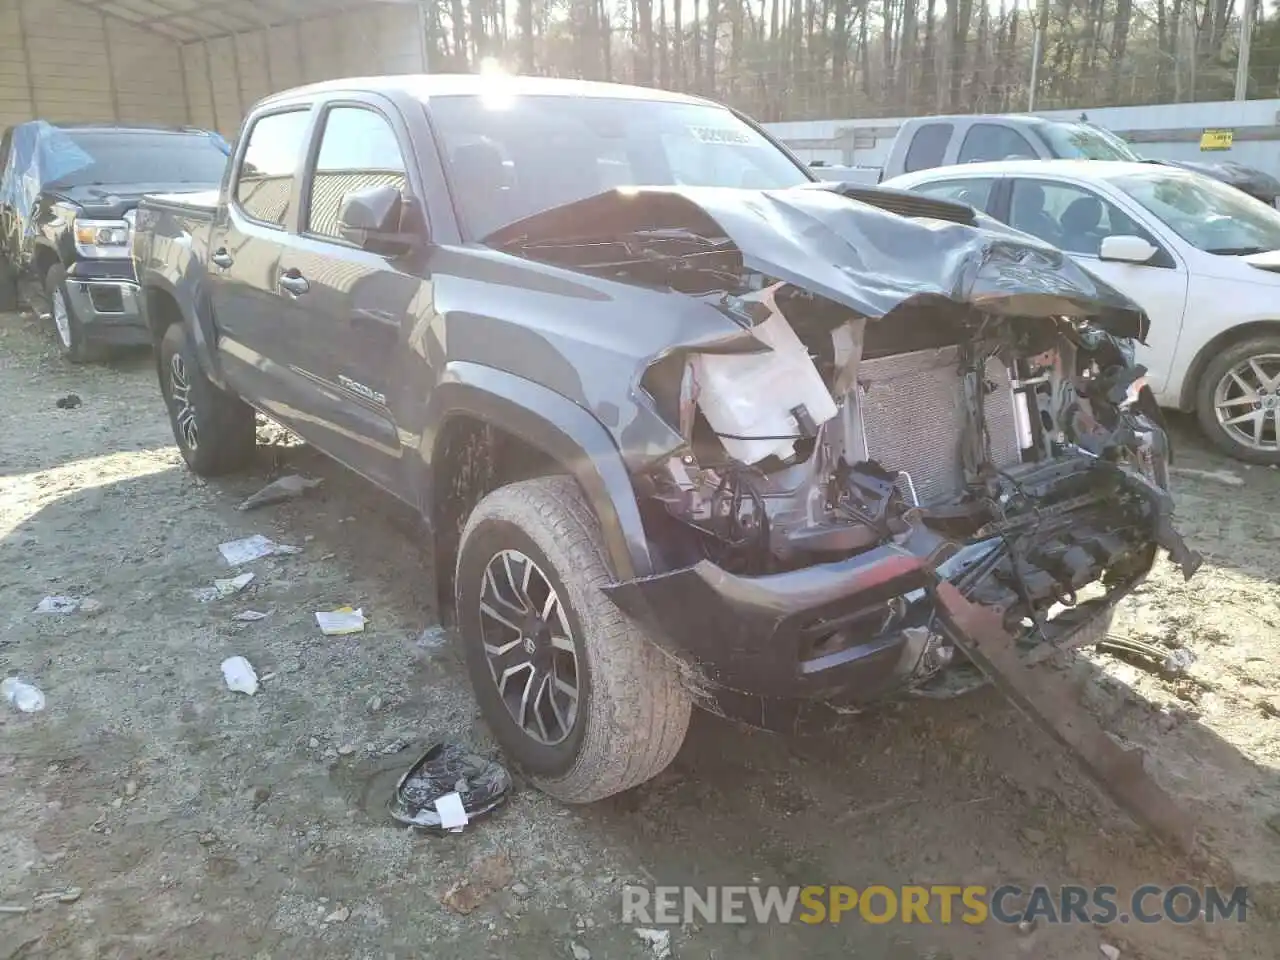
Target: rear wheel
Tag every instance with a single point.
(576, 694)
(216, 432)
(1238, 400)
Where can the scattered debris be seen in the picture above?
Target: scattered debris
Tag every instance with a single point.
(69, 402)
(90, 606)
(239, 552)
(373, 704)
(433, 638)
(346, 750)
(1221, 476)
(222, 589)
(240, 675)
(25, 697)
(452, 814)
(249, 616)
(5, 908)
(65, 895)
(58, 605)
(579, 951)
(286, 488)
(395, 746)
(341, 915)
(1108, 951)
(481, 786)
(520, 891)
(131, 788)
(659, 941)
(486, 877)
(340, 622)
(1171, 662)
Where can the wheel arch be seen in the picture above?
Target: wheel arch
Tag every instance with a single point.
(489, 428)
(1206, 354)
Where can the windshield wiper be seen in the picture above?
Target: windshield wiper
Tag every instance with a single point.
(1236, 251)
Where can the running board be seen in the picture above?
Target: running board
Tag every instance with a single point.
(980, 633)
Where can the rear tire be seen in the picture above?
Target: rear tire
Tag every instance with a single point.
(67, 328)
(1231, 389)
(216, 431)
(630, 712)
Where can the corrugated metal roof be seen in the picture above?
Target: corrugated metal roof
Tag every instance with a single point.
(186, 21)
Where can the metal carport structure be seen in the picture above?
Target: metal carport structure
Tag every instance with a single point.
(188, 61)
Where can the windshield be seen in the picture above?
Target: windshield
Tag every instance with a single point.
(1080, 141)
(116, 157)
(513, 157)
(1207, 214)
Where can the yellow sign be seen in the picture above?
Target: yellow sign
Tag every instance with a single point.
(1216, 139)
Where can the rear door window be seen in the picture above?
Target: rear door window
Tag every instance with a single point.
(928, 147)
(990, 141)
(265, 179)
(358, 149)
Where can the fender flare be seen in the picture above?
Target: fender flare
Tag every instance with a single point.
(199, 327)
(558, 427)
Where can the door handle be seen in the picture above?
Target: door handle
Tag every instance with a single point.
(222, 259)
(293, 283)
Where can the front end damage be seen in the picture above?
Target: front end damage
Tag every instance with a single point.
(924, 446)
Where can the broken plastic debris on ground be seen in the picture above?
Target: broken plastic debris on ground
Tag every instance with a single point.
(240, 675)
(250, 616)
(239, 552)
(24, 697)
(340, 622)
(447, 788)
(659, 941)
(68, 605)
(286, 488)
(224, 588)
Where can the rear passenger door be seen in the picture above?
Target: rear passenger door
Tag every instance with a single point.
(255, 336)
(352, 306)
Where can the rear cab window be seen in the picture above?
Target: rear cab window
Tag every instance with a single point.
(264, 181)
(358, 149)
(928, 147)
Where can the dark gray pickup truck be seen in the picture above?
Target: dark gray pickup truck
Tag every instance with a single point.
(684, 426)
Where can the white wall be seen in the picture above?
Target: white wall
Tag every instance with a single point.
(61, 62)
(225, 77)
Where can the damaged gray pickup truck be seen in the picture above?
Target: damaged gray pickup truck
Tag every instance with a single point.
(685, 426)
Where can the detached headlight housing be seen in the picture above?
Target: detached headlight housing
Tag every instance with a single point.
(103, 238)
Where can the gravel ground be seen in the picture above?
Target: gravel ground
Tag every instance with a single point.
(178, 819)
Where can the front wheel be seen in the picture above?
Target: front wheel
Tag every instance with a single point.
(72, 339)
(574, 692)
(1238, 400)
(216, 432)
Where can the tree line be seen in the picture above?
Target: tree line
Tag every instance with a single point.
(813, 59)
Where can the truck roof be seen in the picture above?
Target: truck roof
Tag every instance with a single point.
(422, 86)
(1088, 169)
(1016, 119)
(111, 126)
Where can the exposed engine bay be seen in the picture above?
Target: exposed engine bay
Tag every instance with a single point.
(1009, 438)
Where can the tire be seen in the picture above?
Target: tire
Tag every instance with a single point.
(67, 328)
(1217, 384)
(632, 711)
(216, 431)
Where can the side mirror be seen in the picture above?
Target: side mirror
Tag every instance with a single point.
(373, 219)
(1126, 249)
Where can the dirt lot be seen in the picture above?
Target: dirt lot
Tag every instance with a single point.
(194, 822)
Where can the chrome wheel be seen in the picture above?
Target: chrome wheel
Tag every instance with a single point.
(530, 649)
(61, 319)
(1246, 402)
(184, 414)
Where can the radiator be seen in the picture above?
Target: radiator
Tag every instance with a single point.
(912, 419)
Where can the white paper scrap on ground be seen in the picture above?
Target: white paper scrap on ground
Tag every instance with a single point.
(249, 616)
(453, 816)
(240, 552)
(58, 605)
(224, 588)
(240, 675)
(344, 620)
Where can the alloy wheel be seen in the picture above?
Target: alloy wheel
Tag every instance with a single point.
(1246, 402)
(184, 414)
(530, 648)
(61, 319)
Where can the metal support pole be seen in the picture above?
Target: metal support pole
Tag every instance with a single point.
(424, 44)
(1246, 41)
(111, 67)
(1035, 71)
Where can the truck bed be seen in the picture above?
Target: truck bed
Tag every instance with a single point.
(199, 202)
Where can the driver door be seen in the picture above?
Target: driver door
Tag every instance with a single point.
(354, 307)
(1077, 219)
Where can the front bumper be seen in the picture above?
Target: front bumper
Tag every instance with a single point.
(106, 299)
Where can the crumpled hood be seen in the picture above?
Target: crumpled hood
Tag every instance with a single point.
(867, 259)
